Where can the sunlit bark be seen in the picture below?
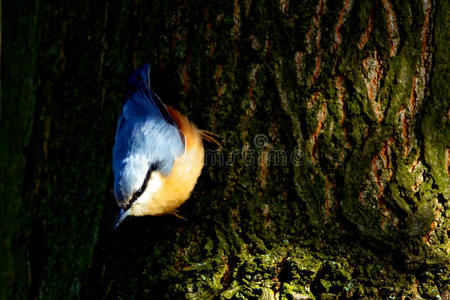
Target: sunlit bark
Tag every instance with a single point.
(333, 178)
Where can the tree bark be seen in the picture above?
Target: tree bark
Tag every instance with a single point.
(333, 179)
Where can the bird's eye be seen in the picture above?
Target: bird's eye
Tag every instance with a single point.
(138, 192)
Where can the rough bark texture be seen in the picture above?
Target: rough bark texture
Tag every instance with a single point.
(355, 93)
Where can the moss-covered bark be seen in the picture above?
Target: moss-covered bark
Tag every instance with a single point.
(335, 114)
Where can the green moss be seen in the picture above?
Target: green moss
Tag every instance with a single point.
(319, 227)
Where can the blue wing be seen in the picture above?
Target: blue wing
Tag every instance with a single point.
(145, 135)
(144, 102)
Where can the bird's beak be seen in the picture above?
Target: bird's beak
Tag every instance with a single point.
(123, 213)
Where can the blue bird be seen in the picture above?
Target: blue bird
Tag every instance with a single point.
(158, 153)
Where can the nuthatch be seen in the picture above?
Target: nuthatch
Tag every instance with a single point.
(158, 153)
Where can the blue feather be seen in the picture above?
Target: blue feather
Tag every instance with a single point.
(145, 135)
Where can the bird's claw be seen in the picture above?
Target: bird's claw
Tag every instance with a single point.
(210, 137)
(175, 213)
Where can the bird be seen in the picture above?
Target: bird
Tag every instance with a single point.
(158, 153)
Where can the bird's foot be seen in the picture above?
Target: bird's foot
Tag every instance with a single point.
(175, 213)
(210, 137)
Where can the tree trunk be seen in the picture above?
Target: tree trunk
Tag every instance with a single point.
(333, 178)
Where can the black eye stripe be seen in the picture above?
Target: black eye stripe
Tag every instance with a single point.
(154, 166)
(139, 192)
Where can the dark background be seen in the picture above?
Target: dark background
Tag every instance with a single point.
(355, 91)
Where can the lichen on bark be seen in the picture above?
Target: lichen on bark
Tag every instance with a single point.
(354, 92)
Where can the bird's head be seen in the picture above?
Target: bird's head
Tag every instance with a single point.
(134, 186)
